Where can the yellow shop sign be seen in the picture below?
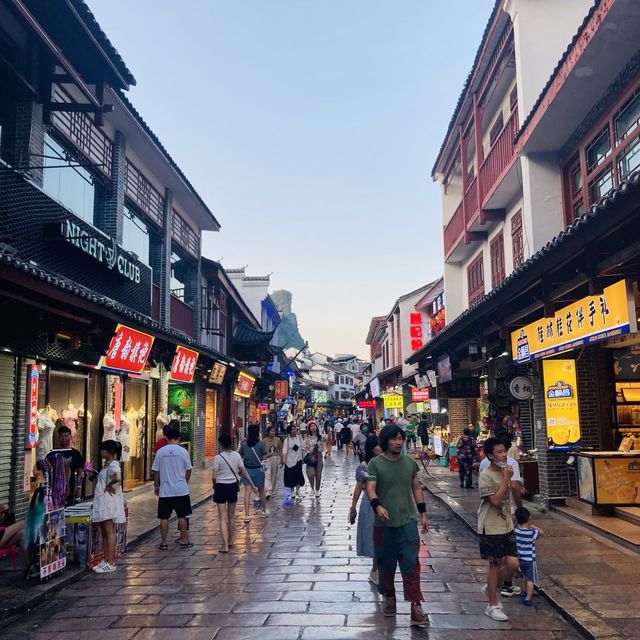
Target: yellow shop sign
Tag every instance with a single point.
(589, 320)
(561, 404)
(393, 401)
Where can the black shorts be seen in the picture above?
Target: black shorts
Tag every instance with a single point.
(225, 492)
(496, 547)
(180, 504)
(424, 440)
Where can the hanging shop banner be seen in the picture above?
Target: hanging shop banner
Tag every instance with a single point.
(300, 406)
(374, 386)
(521, 388)
(244, 386)
(32, 406)
(393, 401)
(367, 404)
(415, 331)
(420, 395)
(184, 365)
(434, 405)
(561, 404)
(53, 544)
(281, 389)
(589, 320)
(617, 480)
(319, 397)
(263, 408)
(128, 351)
(218, 372)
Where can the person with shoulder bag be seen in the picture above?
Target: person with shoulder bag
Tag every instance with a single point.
(313, 458)
(252, 453)
(227, 469)
(292, 460)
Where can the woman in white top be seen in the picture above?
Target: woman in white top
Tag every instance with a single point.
(227, 469)
(108, 504)
(292, 461)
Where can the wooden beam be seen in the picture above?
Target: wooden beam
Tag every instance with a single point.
(492, 215)
(77, 107)
(474, 236)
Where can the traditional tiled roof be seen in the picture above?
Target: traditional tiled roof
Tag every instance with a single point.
(557, 68)
(244, 334)
(101, 37)
(595, 214)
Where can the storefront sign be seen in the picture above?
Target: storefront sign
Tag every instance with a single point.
(263, 407)
(432, 378)
(107, 253)
(218, 371)
(210, 420)
(521, 388)
(393, 401)
(589, 320)
(244, 386)
(319, 396)
(438, 446)
(281, 389)
(415, 331)
(32, 406)
(374, 387)
(184, 365)
(561, 404)
(300, 406)
(617, 480)
(128, 350)
(420, 395)
(367, 404)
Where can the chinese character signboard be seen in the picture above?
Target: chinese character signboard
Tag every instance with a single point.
(128, 351)
(218, 372)
(367, 404)
(244, 386)
(184, 365)
(521, 388)
(589, 320)
(32, 406)
(561, 404)
(393, 401)
(415, 331)
(617, 480)
(420, 395)
(281, 389)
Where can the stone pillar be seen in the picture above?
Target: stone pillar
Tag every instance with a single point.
(23, 137)
(459, 416)
(109, 203)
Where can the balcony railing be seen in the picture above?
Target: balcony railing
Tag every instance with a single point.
(500, 156)
(471, 201)
(454, 231)
(181, 316)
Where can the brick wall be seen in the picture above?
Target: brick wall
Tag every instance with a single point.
(459, 416)
(109, 201)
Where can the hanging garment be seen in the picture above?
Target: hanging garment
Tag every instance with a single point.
(110, 426)
(132, 417)
(46, 426)
(123, 439)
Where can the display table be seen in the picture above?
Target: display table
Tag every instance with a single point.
(609, 478)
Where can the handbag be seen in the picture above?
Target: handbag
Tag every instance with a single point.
(311, 458)
(232, 471)
(263, 463)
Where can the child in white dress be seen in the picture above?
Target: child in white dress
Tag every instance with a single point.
(108, 504)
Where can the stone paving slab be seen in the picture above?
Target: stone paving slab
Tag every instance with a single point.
(294, 575)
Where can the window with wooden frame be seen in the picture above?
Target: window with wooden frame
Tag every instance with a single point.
(513, 98)
(496, 129)
(517, 240)
(475, 280)
(496, 251)
(605, 158)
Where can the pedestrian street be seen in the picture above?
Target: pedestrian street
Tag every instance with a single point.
(293, 575)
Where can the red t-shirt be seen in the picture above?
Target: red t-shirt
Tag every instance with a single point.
(159, 444)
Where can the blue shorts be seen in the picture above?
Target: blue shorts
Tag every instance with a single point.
(257, 476)
(529, 570)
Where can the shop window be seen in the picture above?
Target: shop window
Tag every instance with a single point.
(629, 118)
(629, 161)
(475, 280)
(72, 185)
(576, 182)
(135, 235)
(598, 151)
(496, 129)
(601, 185)
(496, 248)
(137, 433)
(178, 276)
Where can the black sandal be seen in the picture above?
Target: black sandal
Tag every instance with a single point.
(186, 545)
(163, 547)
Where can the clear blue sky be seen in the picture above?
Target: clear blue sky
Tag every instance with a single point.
(310, 128)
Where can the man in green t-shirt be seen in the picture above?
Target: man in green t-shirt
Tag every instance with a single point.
(394, 491)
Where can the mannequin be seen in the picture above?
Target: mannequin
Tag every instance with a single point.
(142, 424)
(132, 417)
(123, 438)
(46, 427)
(70, 419)
(162, 420)
(109, 424)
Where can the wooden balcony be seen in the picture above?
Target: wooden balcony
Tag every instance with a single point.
(454, 231)
(471, 202)
(181, 316)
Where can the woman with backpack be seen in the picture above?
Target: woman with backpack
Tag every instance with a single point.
(312, 448)
(252, 452)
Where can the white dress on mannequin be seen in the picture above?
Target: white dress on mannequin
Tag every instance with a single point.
(46, 426)
(162, 420)
(109, 424)
(123, 438)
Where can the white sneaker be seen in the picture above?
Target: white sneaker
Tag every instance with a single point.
(485, 591)
(105, 568)
(496, 613)
(263, 514)
(247, 519)
(98, 567)
(373, 577)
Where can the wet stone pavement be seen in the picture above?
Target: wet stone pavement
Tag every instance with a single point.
(292, 576)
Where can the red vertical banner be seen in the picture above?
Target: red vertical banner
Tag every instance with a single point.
(32, 406)
(282, 389)
(117, 401)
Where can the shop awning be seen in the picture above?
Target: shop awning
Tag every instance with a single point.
(245, 335)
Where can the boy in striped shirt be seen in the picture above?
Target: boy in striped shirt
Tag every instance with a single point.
(526, 535)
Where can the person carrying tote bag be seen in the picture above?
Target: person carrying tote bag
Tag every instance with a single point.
(292, 461)
(252, 452)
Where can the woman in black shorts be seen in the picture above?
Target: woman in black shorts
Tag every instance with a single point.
(227, 469)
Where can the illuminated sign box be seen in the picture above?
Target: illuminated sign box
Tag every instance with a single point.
(184, 365)
(244, 386)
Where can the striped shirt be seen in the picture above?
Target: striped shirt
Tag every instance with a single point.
(526, 543)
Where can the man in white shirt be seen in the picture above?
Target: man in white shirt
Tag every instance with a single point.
(338, 428)
(171, 473)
